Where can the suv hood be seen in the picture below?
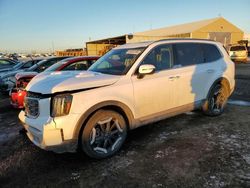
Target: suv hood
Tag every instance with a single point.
(63, 81)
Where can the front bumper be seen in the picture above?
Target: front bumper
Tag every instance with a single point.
(50, 138)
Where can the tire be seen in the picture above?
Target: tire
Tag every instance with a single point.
(216, 101)
(104, 134)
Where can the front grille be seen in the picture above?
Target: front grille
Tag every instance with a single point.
(31, 107)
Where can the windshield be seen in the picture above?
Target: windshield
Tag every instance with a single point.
(55, 66)
(18, 65)
(36, 65)
(116, 62)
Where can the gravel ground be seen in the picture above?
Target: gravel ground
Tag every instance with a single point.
(189, 150)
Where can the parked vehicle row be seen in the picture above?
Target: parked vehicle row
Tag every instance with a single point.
(7, 75)
(130, 86)
(18, 93)
(6, 64)
(7, 79)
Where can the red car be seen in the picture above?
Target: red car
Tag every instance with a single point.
(18, 94)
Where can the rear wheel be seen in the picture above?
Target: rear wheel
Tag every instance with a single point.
(104, 134)
(216, 101)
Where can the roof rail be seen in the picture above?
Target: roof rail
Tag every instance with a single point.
(170, 39)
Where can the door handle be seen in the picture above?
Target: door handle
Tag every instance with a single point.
(210, 70)
(171, 78)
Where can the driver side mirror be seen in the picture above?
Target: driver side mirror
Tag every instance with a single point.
(146, 69)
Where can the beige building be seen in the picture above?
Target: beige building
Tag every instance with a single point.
(247, 37)
(72, 52)
(218, 29)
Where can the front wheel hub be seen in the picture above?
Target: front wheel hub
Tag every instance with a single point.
(108, 137)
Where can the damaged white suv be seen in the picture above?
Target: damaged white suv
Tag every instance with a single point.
(132, 85)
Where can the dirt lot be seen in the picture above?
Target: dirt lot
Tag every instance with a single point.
(190, 150)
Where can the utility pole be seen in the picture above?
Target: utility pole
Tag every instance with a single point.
(53, 49)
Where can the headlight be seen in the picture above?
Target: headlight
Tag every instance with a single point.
(60, 105)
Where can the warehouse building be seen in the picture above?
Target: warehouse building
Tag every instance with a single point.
(218, 29)
(72, 52)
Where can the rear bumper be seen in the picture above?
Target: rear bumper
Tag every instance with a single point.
(239, 58)
(50, 138)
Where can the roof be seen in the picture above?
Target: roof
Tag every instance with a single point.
(147, 43)
(135, 45)
(77, 58)
(178, 29)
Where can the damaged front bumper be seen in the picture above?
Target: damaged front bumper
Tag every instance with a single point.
(49, 138)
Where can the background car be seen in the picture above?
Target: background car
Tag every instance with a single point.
(19, 66)
(18, 93)
(238, 53)
(7, 63)
(8, 81)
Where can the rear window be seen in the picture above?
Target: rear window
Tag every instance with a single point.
(188, 54)
(237, 48)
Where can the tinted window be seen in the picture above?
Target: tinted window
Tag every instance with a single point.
(161, 57)
(17, 66)
(4, 62)
(92, 62)
(55, 66)
(237, 48)
(188, 54)
(28, 64)
(211, 52)
(80, 65)
(45, 65)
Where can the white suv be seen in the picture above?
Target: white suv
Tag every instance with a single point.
(132, 85)
(238, 53)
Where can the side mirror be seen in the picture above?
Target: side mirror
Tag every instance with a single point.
(146, 69)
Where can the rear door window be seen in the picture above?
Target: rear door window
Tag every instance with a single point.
(187, 54)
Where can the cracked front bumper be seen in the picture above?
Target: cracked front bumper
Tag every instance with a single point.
(49, 138)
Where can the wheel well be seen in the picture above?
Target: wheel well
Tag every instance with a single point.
(115, 108)
(119, 110)
(224, 82)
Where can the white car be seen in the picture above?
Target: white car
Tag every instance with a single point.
(238, 53)
(132, 85)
